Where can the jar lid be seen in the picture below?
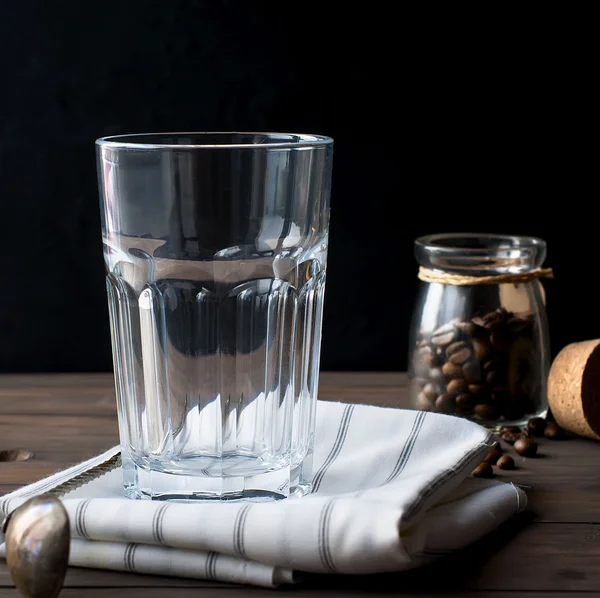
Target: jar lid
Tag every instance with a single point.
(480, 254)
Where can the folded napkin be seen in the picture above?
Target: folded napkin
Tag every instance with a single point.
(391, 491)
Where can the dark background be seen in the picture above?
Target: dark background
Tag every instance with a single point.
(442, 121)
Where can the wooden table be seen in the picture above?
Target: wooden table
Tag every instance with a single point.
(551, 551)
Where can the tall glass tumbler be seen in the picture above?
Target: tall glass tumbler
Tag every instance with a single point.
(215, 247)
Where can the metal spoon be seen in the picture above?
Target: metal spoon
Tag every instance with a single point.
(37, 546)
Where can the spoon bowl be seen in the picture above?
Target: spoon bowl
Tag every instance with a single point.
(37, 546)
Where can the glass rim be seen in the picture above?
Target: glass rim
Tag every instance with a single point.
(432, 243)
(302, 141)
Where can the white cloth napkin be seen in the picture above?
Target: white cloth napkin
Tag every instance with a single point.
(392, 490)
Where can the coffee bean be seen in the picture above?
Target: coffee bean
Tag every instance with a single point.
(444, 335)
(421, 382)
(483, 470)
(553, 431)
(452, 371)
(423, 403)
(436, 375)
(510, 429)
(432, 391)
(445, 403)
(458, 353)
(481, 347)
(510, 437)
(498, 447)
(457, 386)
(526, 447)
(472, 372)
(483, 411)
(492, 457)
(457, 346)
(477, 389)
(467, 328)
(536, 426)
(492, 320)
(464, 402)
(506, 462)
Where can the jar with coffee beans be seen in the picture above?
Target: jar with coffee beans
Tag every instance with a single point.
(479, 345)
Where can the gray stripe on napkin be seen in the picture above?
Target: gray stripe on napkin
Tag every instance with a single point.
(157, 523)
(337, 446)
(80, 526)
(408, 447)
(129, 557)
(324, 539)
(239, 529)
(211, 562)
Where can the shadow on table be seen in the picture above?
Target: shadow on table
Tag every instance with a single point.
(459, 571)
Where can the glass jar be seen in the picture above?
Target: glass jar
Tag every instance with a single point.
(479, 345)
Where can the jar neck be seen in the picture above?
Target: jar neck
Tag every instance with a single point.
(477, 254)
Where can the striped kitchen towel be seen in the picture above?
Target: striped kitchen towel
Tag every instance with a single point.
(392, 491)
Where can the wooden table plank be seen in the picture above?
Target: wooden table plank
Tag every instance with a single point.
(225, 592)
(516, 557)
(98, 578)
(552, 549)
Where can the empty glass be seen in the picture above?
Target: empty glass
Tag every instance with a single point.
(215, 247)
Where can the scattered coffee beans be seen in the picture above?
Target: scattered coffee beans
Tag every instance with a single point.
(526, 447)
(523, 444)
(510, 437)
(506, 462)
(483, 470)
(492, 457)
(536, 426)
(510, 430)
(483, 364)
(553, 431)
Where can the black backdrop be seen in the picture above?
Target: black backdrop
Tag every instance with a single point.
(442, 122)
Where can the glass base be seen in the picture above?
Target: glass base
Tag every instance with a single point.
(146, 484)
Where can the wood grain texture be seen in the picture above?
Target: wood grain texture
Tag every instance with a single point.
(550, 551)
(228, 592)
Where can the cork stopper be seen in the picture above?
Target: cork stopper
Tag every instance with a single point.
(574, 388)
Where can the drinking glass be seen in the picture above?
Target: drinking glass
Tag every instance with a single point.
(215, 247)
